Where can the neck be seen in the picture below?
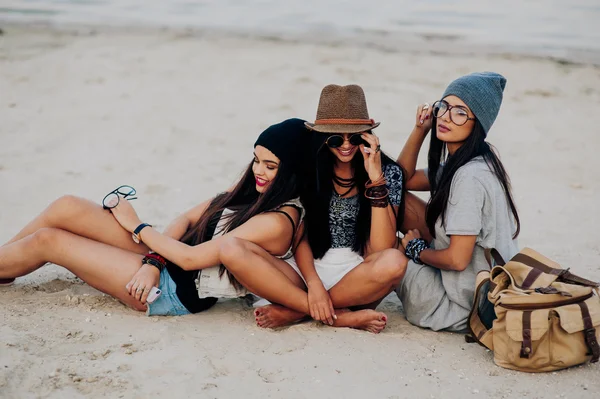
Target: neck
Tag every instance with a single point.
(343, 169)
(453, 147)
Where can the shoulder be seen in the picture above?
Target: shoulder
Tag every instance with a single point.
(476, 168)
(276, 223)
(294, 208)
(393, 176)
(475, 177)
(392, 171)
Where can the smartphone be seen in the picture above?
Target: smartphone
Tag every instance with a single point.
(153, 295)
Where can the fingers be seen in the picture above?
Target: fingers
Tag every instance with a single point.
(372, 139)
(145, 294)
(328, 316)
(139, 292)
(364, 150)
(424, 112)
(131, 286)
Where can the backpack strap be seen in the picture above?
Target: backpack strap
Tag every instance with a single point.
(563, 274)
(477, 330)
(492, 253)
(589, 332)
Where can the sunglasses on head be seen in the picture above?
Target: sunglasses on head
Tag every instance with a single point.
(337, 140)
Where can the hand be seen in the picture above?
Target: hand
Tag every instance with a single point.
(410, 235)
(424, 118)
(371, 155)
(142, 282)
(125, 215)
(319, 303)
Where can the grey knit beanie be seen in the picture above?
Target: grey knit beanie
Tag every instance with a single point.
(482, 92)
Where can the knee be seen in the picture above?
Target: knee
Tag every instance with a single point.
(44, 238)
(232, 249)
(390, 266)
(64, 206)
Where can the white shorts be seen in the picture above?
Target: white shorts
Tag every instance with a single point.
(333, 266)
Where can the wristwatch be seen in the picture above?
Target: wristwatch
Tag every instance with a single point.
(135, 236)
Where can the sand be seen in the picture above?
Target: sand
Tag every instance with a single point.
(175, 115)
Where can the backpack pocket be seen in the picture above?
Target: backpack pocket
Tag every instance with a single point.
(547, 337)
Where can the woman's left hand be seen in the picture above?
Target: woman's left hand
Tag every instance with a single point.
(125, 215)
(372, 155)
(410, 235)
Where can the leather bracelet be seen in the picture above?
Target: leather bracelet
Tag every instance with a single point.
(154, 262)
(380, 203)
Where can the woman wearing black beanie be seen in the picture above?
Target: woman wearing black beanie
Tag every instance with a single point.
(185, 261)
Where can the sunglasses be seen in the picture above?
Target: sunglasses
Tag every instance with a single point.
(122, 191)
(337, 140)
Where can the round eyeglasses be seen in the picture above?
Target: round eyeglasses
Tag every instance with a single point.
(458, 114)
(112, 199)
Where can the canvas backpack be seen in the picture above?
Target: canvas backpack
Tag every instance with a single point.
(539, 316)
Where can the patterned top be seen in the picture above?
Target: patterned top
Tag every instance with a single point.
(343, 212)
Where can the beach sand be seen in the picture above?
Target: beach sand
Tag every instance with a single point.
(175, 115)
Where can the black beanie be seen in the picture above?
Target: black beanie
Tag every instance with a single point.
(286, 140)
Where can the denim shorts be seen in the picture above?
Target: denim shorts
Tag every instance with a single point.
(168, 303)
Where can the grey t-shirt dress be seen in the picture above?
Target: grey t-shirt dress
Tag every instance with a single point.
(440, 299)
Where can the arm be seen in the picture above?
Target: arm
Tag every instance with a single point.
(179, 226)
(382, 233)
(456, 257)
(319, 301)
(464, 222)
(271, 231)
(416, 179)
(383, 228)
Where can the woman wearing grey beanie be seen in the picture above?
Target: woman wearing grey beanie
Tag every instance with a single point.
(471, 207)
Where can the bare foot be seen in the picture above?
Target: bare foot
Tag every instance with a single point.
(367, 319)
(273, 316)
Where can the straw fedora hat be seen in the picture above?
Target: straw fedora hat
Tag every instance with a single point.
(342, 109)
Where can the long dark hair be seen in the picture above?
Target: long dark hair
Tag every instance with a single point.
(317, 197)
(246, 202)
(474, 146)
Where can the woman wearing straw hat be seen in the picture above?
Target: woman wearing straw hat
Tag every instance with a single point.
(471, 206)
(110, 251)
(347, 258)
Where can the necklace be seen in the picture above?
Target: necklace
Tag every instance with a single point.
(344, 183)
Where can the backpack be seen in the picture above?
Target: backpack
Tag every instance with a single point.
(537, 316)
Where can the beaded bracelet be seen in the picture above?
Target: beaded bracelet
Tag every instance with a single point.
(414, 248)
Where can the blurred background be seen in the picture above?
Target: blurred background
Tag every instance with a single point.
(566, 29)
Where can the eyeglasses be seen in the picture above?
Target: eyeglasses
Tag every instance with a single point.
(337, 140)
(458, 115)
(117, 193)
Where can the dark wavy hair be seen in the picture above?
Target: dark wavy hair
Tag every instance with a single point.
(317, 197)
(440, 183)
(246, 202)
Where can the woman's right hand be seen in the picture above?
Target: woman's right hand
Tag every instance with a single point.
(319, 303)
(424, 118)
(142, 282)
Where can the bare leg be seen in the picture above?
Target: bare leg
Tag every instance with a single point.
(102, 266)
(84, 218)
(266, 276)
(370, 281)
(414, 216)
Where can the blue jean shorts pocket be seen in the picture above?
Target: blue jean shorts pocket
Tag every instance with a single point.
(168, 303)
